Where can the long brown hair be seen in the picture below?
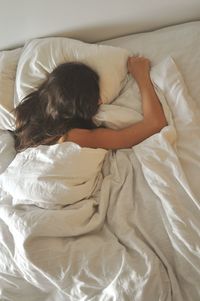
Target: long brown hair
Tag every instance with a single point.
(68, 98)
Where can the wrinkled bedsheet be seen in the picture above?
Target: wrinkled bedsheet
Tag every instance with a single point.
(136, 238)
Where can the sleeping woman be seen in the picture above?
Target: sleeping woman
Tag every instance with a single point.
(63, 107)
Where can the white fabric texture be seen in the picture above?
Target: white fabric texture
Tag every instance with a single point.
(8, 66)
(181, 41)
(7, 150)
(41, 56)
(53, 176)
(137, 238)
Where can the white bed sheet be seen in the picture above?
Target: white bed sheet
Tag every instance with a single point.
(182, 42)
(142, 240)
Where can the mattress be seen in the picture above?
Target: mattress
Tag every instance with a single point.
(136, 235)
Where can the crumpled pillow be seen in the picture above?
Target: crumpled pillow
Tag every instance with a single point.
(41, 56)
(7, 150)
(8, 66)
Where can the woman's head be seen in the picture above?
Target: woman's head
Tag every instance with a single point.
(68, 98)
(71, 90)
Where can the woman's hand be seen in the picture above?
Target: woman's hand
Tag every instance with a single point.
(139, 68)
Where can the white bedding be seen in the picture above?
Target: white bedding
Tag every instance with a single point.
(137, 238)
(182, 42)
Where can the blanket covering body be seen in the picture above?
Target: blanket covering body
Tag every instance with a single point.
(133, 233)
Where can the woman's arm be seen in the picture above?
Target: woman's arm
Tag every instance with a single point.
(139, 67)
(153, 116)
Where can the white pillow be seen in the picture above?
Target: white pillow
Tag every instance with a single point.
(127, 107)
(41, 56)
(8, 65)
(7, 150)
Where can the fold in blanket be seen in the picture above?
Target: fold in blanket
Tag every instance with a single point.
(53, 176)
(135, 238)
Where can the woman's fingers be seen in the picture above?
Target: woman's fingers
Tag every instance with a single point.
(138, 66)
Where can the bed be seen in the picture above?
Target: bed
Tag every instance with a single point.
(90, 224)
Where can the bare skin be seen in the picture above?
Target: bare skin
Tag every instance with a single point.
(153, 116)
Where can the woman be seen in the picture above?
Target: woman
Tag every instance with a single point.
(63, 107)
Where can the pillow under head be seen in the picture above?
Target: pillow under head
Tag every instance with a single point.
(41, 56)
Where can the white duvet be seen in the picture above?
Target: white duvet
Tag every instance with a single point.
(132, 230)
